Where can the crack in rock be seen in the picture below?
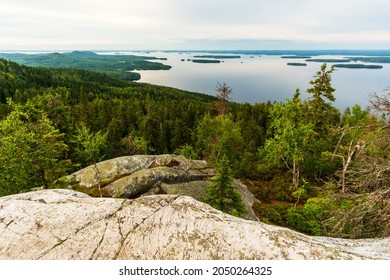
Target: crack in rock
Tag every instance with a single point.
(100, 242)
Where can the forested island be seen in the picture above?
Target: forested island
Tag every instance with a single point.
(311, 167)
(295, 57)
(329, 60)
(296, 64)
(118, 65)
(218, 56)
(358, 66)
(206, 61)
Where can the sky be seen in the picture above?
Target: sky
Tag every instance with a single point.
(194, 24)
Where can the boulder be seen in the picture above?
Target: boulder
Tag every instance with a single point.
(140, 175)
(117, 176)
(68, 225)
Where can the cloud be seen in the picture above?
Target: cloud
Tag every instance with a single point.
(153, 24)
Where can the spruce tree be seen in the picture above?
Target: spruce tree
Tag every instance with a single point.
(320, 109)
(222, 194)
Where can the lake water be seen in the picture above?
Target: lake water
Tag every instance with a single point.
(267, 77)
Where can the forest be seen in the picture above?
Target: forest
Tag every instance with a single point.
(118, 66)
(313, 168)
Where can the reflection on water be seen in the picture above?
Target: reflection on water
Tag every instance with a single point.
(259, 79)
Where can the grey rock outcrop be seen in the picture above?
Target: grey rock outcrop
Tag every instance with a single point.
(140, 175)
(64, 224)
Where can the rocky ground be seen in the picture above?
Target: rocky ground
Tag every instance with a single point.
(65, 224)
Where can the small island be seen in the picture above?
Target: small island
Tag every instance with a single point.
(358, 66)
(206, 61)
(217, 56)
(295, 56)
(296, 64)
(329, 60)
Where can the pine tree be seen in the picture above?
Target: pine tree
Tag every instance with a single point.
(222, 194)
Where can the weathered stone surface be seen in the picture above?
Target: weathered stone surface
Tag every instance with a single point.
(64, 224)
(146, 179)
(113, 173)
(111, 169)
(135, 176)
(195, 189)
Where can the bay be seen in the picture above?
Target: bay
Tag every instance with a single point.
(256, 78)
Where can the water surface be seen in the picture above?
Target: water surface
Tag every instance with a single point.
(255, 78)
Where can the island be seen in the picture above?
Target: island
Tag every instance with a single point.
(358, 66)
(296, 64)
(206, 61)
(217, 56)
(329, 60)
(295, 56)
(375, 59)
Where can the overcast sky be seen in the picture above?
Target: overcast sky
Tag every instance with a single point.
(193, 24)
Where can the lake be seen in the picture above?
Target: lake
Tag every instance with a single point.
(255, 78)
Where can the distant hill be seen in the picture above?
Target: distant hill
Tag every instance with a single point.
(118, 66)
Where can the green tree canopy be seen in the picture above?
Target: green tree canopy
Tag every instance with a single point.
(31, 151)
(89, 145)
(218, 137)
(320, 108)
(291, 134)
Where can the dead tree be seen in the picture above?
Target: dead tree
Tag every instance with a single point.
(223, 95)
(381, 104)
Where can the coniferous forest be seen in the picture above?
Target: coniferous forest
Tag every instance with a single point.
(312, 167)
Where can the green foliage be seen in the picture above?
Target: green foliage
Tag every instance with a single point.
(280, 187)
(135, 145)
(219, 137)
(320, 110)
(291, 135)
(89, 146)
(310, 217)
(188, 151)
(355, 117)
(259, 189)
(222, 194)
(268, 213)
(31, 151)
